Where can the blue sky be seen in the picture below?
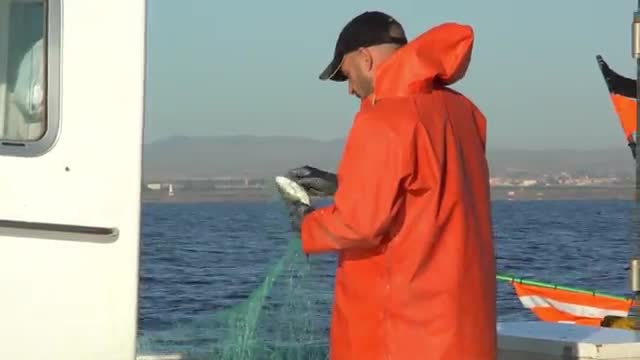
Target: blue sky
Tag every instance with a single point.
(221, 68)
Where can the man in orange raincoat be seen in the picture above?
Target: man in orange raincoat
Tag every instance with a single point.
(411, 218)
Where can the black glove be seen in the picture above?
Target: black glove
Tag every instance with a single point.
(315, 181)
(297, 211)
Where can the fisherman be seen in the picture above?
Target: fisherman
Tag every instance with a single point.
(29, 89)
(411, 219)
(26, 112)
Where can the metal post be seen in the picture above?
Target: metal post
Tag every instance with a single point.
(636, 55)
(634, 268)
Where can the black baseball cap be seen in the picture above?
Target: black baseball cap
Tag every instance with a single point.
(367, 29)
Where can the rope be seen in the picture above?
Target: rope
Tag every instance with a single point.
(512, 279)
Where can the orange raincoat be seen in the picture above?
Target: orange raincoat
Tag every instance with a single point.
(411, 217)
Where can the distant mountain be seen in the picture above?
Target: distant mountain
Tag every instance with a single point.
(179, 157)
(592, 161)
(188, 157)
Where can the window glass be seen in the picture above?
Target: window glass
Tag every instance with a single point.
(23, 61)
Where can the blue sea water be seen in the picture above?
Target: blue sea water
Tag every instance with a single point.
(199, 260)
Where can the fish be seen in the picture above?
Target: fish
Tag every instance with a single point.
(291, 191)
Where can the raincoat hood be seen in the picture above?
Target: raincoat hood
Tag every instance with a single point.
(440, 56)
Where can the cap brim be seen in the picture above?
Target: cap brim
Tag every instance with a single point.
(332, 71)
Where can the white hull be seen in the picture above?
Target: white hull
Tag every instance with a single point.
(551, 341)
(545, 341)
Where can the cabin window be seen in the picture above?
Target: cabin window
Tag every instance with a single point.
(25, 74)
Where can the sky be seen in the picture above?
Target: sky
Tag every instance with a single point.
(228, 68)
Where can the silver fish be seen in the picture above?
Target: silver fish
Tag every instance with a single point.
(292, 191)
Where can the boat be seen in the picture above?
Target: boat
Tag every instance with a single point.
(72, 97)
(72, 78)
(575, 323)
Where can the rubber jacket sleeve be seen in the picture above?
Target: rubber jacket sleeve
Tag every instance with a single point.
(367, 203)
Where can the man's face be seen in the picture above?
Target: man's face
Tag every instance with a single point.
(357, 67)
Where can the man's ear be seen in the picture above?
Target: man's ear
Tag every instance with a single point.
(367, 58)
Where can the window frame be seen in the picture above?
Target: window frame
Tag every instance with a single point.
(52, 74)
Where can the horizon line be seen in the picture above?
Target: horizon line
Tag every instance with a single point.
(328, 140)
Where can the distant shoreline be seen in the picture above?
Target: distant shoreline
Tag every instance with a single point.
(513, 193)
(625, 192)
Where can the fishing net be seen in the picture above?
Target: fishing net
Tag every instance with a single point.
(279, 320)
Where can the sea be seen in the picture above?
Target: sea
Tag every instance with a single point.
(200, 260)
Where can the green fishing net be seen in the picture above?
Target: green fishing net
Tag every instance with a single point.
(278, 321)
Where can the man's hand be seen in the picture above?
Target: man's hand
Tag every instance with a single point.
(315, 181)
(297, 211)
